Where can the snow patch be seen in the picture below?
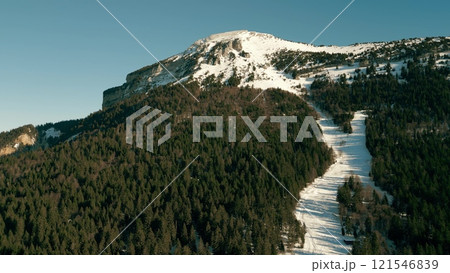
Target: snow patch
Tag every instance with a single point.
(52, 132)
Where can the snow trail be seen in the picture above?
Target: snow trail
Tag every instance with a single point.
(318, 207)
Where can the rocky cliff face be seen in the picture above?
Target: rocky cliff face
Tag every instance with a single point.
(199, 60)
(150, 76)
(11, 142)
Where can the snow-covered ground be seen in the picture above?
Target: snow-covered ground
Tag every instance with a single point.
(318, 207)
(52, 132)
(251, 56)
(261, 47)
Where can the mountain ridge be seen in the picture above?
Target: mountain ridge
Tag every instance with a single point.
(259, 60)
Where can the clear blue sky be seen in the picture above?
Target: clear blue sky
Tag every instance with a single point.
(58, 56)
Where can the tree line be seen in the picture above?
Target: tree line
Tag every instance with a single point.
(77, 195)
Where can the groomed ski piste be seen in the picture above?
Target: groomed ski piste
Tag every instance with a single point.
(318, 208)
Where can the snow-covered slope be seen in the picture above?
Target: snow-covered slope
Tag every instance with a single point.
(318, 207)
(52, 132)
(258, 60)
(251, 58)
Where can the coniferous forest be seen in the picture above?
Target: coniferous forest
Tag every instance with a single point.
(407, 133)
(75, 196)
(75, 193)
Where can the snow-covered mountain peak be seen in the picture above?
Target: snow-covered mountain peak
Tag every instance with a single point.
(260, 60)
(220, 37)
(235, 35)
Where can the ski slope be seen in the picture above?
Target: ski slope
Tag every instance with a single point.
(318, 207)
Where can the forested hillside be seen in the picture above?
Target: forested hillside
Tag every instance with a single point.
(408, 136)
(76, 196)
(366, 215)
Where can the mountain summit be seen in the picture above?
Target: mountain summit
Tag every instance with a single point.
(262, 60)
(73, 187)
